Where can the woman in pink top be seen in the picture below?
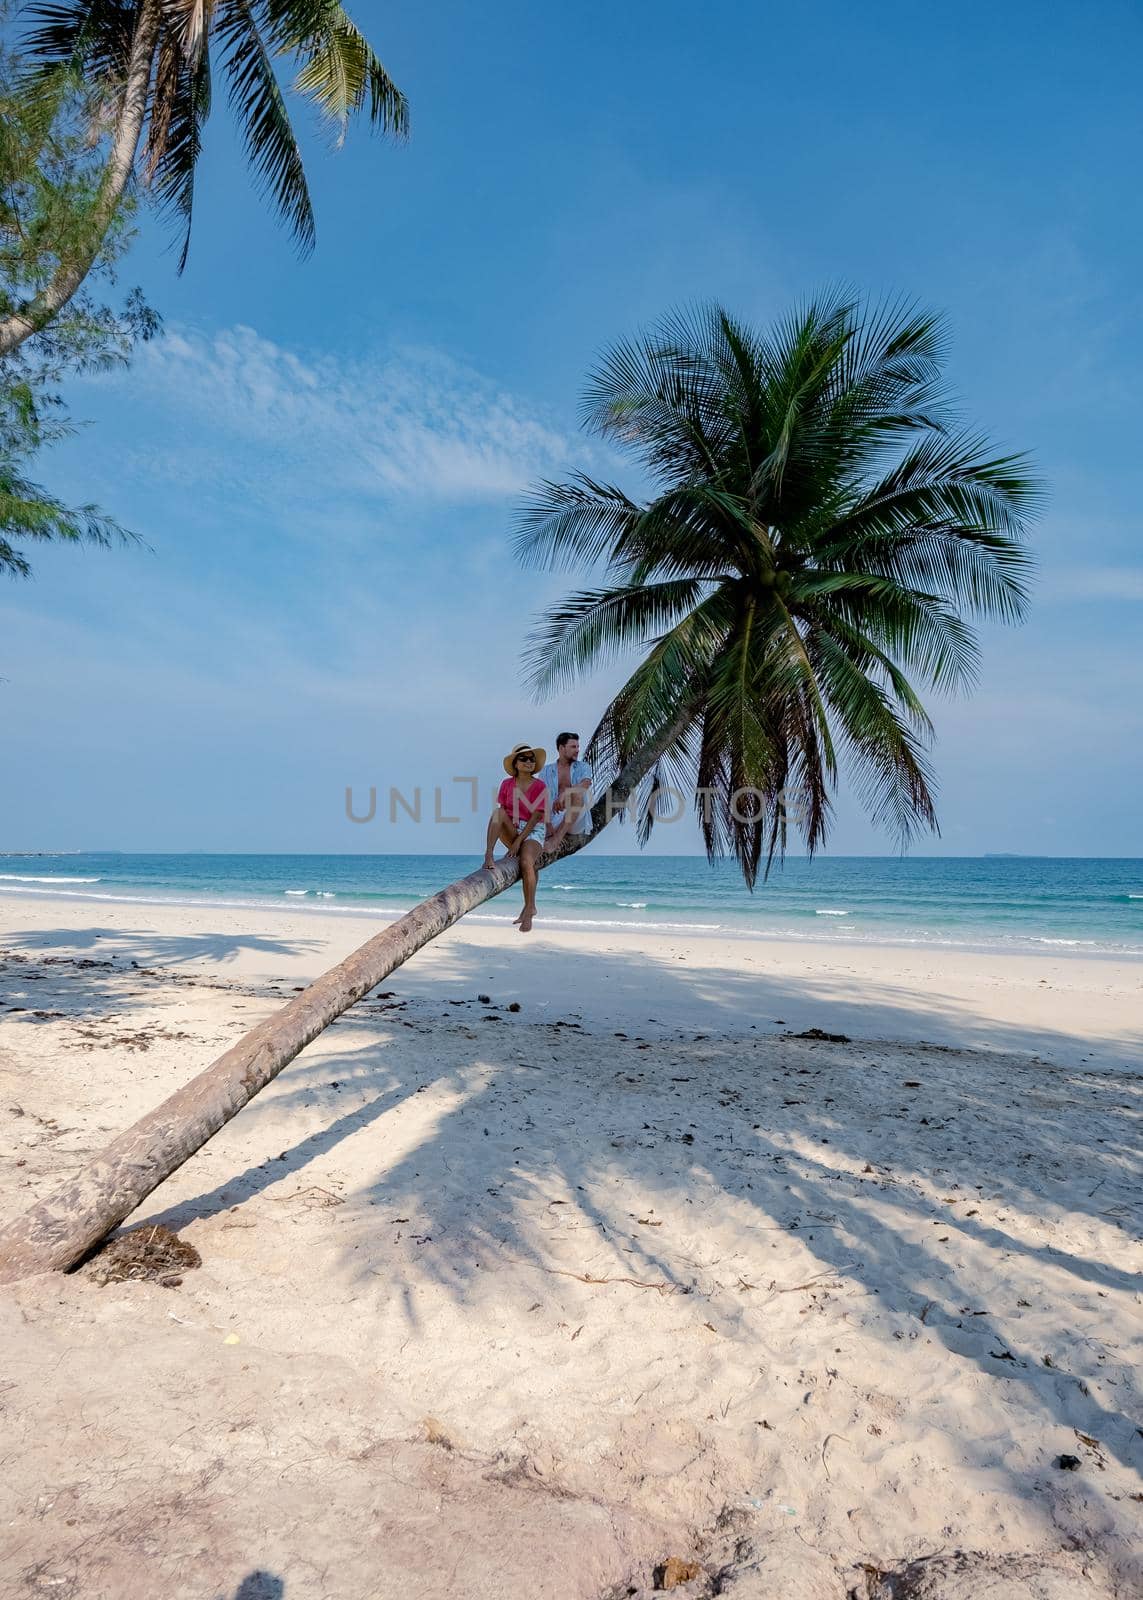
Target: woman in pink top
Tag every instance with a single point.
(519, 820)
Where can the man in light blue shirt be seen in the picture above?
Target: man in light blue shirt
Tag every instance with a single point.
(568, 782)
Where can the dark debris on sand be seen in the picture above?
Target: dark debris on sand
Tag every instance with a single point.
(150, 1252)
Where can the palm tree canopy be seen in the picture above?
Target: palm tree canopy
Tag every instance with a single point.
(337, 70)
(818, 528)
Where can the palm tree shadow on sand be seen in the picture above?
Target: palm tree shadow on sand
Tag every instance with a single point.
(93, 972)
(260, 1585)
(145, 947)
(778, 1132)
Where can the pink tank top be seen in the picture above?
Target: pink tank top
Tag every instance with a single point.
(522, 807)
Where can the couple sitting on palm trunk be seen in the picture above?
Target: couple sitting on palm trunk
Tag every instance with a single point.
(537, 806)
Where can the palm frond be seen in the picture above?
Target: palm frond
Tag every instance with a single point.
(798, 364)
(891, 774)
(667, 787)
(173, 153)
(889, 379)
(341, 73)
(592, 625)
(694, 528)
(578, 524)
(672, 676)
(926, 633)
(90, 39)
(743, 745)
(653, 397)
(257, 102)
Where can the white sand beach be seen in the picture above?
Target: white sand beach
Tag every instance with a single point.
(529, 1295)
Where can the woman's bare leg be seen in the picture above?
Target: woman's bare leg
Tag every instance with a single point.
(499, 831)
(529, 852)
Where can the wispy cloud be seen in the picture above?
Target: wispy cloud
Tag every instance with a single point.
(318, 432)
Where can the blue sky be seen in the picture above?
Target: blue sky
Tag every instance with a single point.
(323, 456)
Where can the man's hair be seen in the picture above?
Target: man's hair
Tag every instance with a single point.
(562, 739)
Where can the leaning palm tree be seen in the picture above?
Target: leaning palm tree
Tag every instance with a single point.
(147, 70)
(817, 528)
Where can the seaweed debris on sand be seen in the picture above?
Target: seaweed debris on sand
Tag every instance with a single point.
(151, 1252)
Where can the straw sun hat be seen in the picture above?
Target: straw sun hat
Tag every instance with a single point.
(537, 750)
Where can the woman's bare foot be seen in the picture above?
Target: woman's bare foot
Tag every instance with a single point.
(524, 920)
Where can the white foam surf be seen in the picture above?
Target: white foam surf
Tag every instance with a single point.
(28, 877)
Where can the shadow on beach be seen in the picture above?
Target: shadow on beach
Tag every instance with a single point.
(98, 972)
(146, 948)
(260, 1585)
(800, 1135)
(544, 1132)
(827, 993)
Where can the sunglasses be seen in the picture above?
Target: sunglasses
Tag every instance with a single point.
(528, 757)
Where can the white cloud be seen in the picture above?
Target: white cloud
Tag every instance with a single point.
(317, 434)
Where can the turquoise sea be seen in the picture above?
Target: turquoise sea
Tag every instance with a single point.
(1062, 905)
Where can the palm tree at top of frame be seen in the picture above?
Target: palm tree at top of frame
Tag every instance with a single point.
(820, 528)
(147, 68)
(819, 531)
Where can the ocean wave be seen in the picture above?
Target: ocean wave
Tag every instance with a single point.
(632, 905)
(785, 927)
(826, 912)
(410, 895)
(28, 877)
(605, 922)
(150, 899)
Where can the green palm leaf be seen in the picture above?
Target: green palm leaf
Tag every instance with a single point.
(88, 38)
(592, 624)
(258, 104)
(342, 74)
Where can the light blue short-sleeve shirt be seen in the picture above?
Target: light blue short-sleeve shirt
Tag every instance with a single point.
(580, 774)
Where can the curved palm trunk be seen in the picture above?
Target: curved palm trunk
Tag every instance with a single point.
(37, 313)
(60, 1230)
